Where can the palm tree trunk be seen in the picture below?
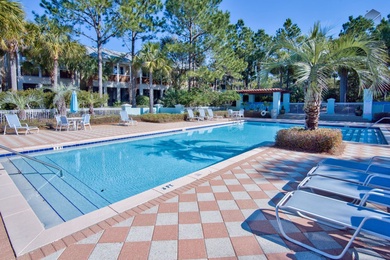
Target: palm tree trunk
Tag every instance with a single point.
(54, 74)
(151, 97)
(312, 109)
(343, 73)
(12, 61)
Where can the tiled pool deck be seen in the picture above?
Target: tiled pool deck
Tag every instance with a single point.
(224, 212)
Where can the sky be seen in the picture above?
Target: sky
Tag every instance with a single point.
(271, 14)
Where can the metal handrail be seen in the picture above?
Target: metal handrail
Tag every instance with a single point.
(32, 158)
(386, 117)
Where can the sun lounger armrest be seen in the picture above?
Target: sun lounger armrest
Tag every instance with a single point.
(378, 196)
(372, 176)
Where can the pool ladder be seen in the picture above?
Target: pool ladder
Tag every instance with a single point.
(60, 174)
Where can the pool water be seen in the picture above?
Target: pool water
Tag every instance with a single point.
(98, 175)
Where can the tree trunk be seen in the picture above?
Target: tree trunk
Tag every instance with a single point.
(12, 61)
(22, 114)
(54, 74)
(151, 96)
(343, 74)
(312, 109)
(100, 58)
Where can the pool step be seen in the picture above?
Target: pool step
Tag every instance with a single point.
(38, 181)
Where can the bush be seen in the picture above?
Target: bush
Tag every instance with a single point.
(314, 141)
(162, 118)
(142, 101)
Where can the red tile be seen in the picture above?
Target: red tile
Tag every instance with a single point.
(232, 215)
(166, 232)
(235, 188)
(247, 204)
(144, 220)
(223, 196)
(261, 227)
(189, 217)
(114, 235)
(203, 189)
(214, 230)
(187, 197)
(208, 205)
(258, 195)
(192, 249)
(246, 246)
(246, 181)
(36, 254)
(267, 187)
(77, 251)
(216, 182)
(135, 250)
(235, 171)
(168, 207)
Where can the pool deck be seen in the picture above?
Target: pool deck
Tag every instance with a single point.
(225, 211)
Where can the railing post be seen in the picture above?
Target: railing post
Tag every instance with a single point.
(330, 107)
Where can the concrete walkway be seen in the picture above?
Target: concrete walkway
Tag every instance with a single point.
(228, 214)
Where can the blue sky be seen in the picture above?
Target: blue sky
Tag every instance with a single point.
(271, 14)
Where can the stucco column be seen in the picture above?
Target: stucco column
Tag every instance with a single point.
(276, 101)
(367, 104)
(286, 102)
(330, 108)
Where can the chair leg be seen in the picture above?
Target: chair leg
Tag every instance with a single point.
(5, 129)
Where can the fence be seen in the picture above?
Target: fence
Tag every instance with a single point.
(38, 114)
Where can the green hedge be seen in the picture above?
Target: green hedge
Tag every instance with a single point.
(315, 141)
(162, 118)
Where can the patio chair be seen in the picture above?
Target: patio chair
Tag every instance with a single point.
(202, 114)
(343, 189)
(125, 119)
(14, 123)
(240, 113)
(67, 124)
(377, 175)
(335, 213)
(362, 166)
(58, 122)
(191, 116)
(211, 114)
(86, 121)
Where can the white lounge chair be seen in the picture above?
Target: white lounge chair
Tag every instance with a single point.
(202, 114)
(86, 121)
(66, 124)
(211, 114)
(191, 115)
(14, 123)
(125, 119)
(335, 213)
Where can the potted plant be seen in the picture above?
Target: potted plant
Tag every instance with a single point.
(358, 111)
(282, 110)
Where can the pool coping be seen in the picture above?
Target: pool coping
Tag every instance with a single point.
(25, 230)
(27, 233)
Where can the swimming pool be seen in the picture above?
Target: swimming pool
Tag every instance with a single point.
(98, 175)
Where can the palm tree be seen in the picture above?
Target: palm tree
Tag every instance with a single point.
(316, 58)
(20, 101)
(53, 42)
(12, 31)
(151, 58)
(59, 99)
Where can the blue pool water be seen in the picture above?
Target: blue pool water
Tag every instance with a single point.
(98, 175)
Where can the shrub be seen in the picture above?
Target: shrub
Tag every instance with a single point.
(315, 141)
(142, 101)
(162, 118)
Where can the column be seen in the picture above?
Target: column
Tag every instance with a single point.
(286, 102)
(276, 102)
(330, 108)
(367, 104)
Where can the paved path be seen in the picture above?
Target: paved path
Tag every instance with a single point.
(228, 214)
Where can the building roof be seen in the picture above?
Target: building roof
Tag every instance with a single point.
(109, 54)
(261, 91)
